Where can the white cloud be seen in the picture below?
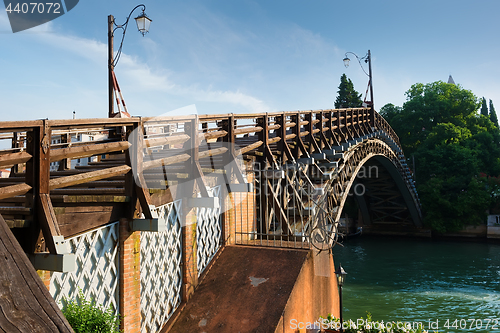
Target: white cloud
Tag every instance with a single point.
(144, 78)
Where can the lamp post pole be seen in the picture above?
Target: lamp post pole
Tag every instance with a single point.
(340, 303)
(340, 273)
(143, 22)
(372, 114)
(111, 105)
(368, 59)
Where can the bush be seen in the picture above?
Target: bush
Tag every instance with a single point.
(88, 317)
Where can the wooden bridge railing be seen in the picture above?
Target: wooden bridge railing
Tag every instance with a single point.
(123, 167)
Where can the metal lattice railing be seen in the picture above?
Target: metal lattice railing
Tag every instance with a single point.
(208, 231)
(97, 269)
(161, 270)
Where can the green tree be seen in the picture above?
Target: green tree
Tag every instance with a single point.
(484, 108)
(456, 152)
(428, 105)
(347, 97)
(390, 111)
(493, 114)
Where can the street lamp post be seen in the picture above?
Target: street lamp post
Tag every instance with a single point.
(341, 274)
(368, 59)
(143, 22)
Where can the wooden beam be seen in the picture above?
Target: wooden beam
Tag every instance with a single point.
(14, 190)
(247, 130)
(48, 223)
(248, 148)
(168, 140)
(65, 163)
(212, 152)
(283, 146)
(7, 160)
(181, 138)
(88, 177)
(213, 135)
(26, 304)
(89, 150)
(166, 161)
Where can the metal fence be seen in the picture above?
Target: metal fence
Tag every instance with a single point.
(97, 272)
(286, 210)
(208, 231)
(161, 270)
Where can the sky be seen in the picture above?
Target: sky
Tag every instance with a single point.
(243, 56)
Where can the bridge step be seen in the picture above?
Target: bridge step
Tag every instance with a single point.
(324, 176)
(337, 149)
(330, 165)
(335, 156)
(319, 156)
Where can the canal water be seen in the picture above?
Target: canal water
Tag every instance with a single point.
(452, 285)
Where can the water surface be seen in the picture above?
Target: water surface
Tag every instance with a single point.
(423, 281)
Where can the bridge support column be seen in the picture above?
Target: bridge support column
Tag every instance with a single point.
(189, 267)
(130, 278)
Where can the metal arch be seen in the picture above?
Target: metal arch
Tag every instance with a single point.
(403, 186)
(356, 158)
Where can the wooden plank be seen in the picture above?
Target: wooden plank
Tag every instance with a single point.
(14, 190)
(248, 148)
(212, 152)
(274, 140)
(248, 130)
(72, 223)
(213, 135)
(95, 198)
(88, 177)
(165, 161)
(19, 126)
(65, 163)
(91, 123)
(284, 145)
(168, 140)
(8, 160)
(88, 150)
(26, 305)
(18, 223)
(48, 222)
(178, 139)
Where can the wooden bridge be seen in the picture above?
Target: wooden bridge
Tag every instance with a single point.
(275, 179)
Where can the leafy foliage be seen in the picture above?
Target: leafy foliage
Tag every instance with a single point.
(493, 114)
(453, 146)
(368, 325)
(347, 97)
(87, 317)
(484, 108)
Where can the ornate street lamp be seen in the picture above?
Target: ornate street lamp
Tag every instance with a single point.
(341, 274)
(368, 59)
(143, 22)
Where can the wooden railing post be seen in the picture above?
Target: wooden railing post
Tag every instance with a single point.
(65, 164)
(372, 119)
(283, 145)
(15, 144)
